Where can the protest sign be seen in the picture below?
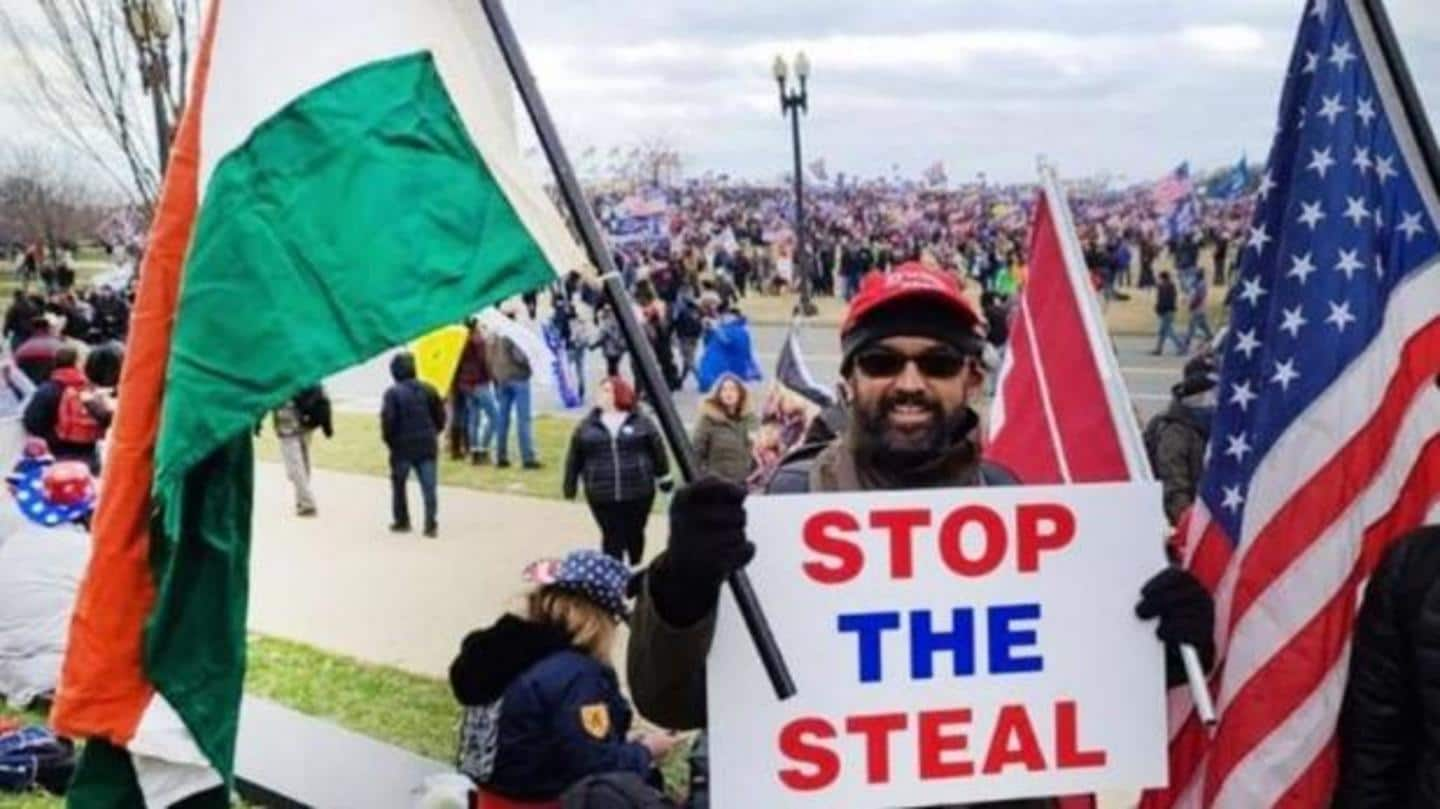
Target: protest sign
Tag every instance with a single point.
(949, 646)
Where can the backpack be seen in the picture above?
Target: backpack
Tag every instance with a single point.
(34, 756)
(313, 407)
(74, 422)
(1151, 437)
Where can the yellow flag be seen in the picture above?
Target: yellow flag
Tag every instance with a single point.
(437, 356)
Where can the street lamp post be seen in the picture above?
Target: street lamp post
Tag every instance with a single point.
(794, 102)
(151, 24)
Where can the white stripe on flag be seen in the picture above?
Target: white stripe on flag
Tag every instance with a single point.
(1264, 776)
(1344, 408)
(1047, 404)
(169, 766)
(1297, 595)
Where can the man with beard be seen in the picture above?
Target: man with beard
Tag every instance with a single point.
(911, 348)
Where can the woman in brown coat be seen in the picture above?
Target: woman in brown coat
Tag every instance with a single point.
(723, 435)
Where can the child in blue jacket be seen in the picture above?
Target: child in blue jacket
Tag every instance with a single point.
(543, 707)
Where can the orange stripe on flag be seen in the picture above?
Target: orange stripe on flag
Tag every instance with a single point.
(103, 686)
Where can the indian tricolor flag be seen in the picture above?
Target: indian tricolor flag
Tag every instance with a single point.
(345, 179)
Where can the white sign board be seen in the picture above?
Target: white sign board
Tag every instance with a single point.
(949, 646)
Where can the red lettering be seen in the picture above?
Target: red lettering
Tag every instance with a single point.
(953, 551)
(1013, 742)
(822, 535)
(876, 728)
(901, 523)
(935, 742)
(798, 743)
(1068, 755)
(1041, 527)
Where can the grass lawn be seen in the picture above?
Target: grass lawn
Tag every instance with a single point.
(357, 448)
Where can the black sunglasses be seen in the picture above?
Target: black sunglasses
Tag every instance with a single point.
(884, 363)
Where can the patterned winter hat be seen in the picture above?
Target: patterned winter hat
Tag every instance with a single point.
(599, 578)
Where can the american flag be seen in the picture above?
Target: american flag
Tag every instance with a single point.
(1326, 444)
(1175, 186)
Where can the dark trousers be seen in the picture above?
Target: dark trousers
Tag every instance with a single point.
(400, 475)
(622, 527)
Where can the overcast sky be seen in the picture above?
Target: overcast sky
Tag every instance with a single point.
(1126, 86)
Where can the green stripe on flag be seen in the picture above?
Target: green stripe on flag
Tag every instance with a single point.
(355, 219)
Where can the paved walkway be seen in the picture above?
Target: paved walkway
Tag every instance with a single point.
(342, 582)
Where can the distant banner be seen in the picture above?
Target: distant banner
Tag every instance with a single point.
(627, 230)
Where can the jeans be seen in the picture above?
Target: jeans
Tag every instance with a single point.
(1199, 321)
(577, 361)
(399, 475)
(514, 395)
(1167, 329)
(295, 452)
(481, 418)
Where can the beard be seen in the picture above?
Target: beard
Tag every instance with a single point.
(887, 447)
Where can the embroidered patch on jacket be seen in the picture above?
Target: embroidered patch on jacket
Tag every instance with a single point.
(595, 719)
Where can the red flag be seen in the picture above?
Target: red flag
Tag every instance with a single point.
(1061, 413)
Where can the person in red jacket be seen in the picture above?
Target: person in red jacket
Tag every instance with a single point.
(67, 411)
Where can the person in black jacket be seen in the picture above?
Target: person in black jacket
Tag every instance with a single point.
(72, 427)
(543, 707)
(1166, 296)
(1389, 729)
(619, 454)
(412, 417)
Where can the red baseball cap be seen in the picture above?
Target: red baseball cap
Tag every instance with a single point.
(911, 299)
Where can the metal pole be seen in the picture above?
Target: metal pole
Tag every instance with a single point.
(801, 253)
(640, 351)
(1405, 87)
(162, 125)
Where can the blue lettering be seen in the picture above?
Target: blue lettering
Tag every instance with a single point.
(868, 627)
(1004, 639)
(925, 643)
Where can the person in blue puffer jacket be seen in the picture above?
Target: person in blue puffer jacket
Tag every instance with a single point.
(543, 707)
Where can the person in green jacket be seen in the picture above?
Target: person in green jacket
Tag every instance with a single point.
(724, 434)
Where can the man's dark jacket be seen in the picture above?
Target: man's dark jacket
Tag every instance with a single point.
(1390, 719)
(412, 415)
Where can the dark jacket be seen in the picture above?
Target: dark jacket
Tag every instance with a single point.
(666, 664)
(539, 714)
(723, 444)
(1389, 728)
(1180, 439)
(615, 468)
(474, 368)
(1165, 297)
(412, 415)
(42, 414)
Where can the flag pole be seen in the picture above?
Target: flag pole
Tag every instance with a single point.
(1405, 88)
(1128, 430)
(641, 353)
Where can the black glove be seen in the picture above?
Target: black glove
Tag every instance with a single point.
(1187, 615)
(707, 544)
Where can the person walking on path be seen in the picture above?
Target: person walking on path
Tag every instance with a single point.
(724, 433)
(412, 418)
(294, 422)
(618, 453)
(1175, 439)
(1166, 296)
(610, 341)
(1198, 296)
(511, 370)
(474, 383)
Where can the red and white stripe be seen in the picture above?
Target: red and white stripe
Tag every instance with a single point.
(1357, 469)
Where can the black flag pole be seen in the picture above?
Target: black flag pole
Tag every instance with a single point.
(640, 351)
(1405, 88)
